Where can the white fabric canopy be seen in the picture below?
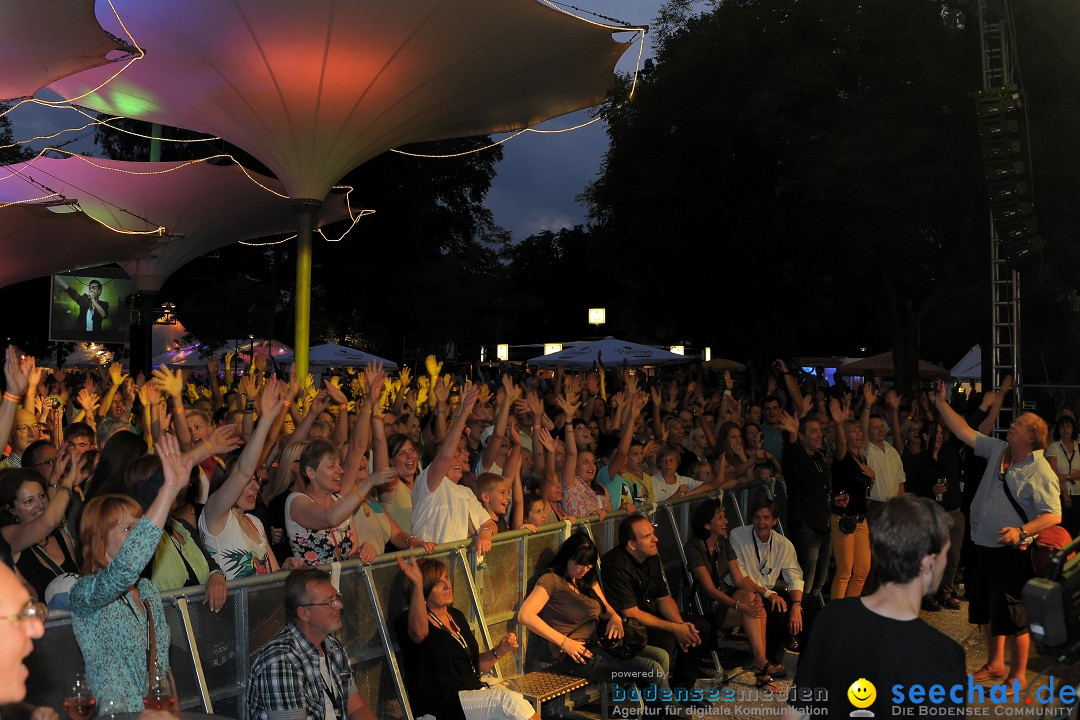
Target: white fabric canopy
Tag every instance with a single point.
(970, 366)
(45, 40)
(331, 355)
(612, 352)
(315, 89)
(201, 206)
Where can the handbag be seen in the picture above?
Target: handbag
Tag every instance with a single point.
(634, 639)
(1044, 544)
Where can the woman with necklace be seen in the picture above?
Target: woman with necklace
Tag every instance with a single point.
(707, 556)
(851, 481)
(44, 551)
(565, 608)
(442, 659)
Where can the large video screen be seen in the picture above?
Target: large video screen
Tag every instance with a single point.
(90, 305)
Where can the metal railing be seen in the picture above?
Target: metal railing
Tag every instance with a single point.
(210, 652)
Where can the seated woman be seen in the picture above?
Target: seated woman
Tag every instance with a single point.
(114, 610)
(565, 608)
(43, 550)
(707, 556)
(442, 660)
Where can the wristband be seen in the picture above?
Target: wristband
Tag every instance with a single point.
(494, 654)
(286, 403)
(65, 488)
(796, 602)
(438, 412)
(356, 490)
(13, 397)
(209, 447)
(78, 493)
(343, 406)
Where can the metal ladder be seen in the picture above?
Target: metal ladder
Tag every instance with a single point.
(994, 34)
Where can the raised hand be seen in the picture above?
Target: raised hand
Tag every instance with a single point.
(116, 374)
(168, 381)
(176, 468)
(568, 406)
(835, 411)
(433, 366)
(17, 371)
(272, 400)
(546, 441)
(247, 387)
(335, 393)
(222, 439)
(405, 375)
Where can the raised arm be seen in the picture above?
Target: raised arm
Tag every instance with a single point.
(956, 424)
(64, 474)
(117, 378)
(837, 415)
(618, 461)
(795, 396)
(892, 402)
(418, 618)
(172, 384)
(17, 371)
(502, 415)
(337, 398)
(569, 408)
(449, 447)
(221, 502)
(987, 425)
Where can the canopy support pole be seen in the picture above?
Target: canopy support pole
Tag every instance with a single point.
(305, 217)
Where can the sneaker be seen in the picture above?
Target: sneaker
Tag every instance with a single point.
(931, 604)
(948, 602)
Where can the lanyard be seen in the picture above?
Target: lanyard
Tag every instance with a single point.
(763, 567)
(456, 634)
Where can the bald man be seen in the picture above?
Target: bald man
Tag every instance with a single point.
(25, 430)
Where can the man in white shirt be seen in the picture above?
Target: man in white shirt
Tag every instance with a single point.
(764, 562)
(444, 511)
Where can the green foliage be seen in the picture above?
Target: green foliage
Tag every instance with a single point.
(811, 163)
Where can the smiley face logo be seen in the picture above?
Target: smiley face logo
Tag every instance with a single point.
(862, 693)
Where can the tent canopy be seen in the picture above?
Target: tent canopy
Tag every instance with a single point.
(44, 40)
(331, 355)
(970, 366)
(201, 206)
(882, 366)
(611, 352)
(315, 93)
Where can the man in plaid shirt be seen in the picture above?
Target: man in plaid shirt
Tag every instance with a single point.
(304, 672)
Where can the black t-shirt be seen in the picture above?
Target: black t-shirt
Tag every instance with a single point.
(847, 477)
(808, 489)
(436, 669)
(925, 471)
(849, 642)
(628, 583)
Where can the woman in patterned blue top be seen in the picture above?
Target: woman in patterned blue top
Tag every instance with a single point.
(109, 603)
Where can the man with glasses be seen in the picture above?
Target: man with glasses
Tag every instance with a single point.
(20, 622)
(25, 431)
(304, 672)
(40, 457)
(1017, 498)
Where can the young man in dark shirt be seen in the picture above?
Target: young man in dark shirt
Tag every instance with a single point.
(634, 583)
(808, 500)
(879, 639)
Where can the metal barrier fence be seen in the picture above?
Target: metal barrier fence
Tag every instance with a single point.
(210, 653)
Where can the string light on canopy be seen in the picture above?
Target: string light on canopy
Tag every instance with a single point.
(163, 214)
(76, 42)
(314, 94)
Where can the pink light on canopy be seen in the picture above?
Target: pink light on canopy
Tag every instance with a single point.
(201, 207)
(35, 241)
(316, 88)
(44, 40)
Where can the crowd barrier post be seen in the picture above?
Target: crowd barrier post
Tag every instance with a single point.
(690, 578)
(196, 661)
(388, 643)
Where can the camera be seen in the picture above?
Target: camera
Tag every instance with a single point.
(1053, 605)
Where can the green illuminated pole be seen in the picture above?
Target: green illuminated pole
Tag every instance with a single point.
(155, 142)
(305, 216)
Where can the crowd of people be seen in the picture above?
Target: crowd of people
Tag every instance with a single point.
(116, 488)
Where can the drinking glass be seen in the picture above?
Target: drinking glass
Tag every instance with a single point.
(79, 702)
(160, 694)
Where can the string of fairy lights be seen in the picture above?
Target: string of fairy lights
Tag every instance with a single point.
(136, 53)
